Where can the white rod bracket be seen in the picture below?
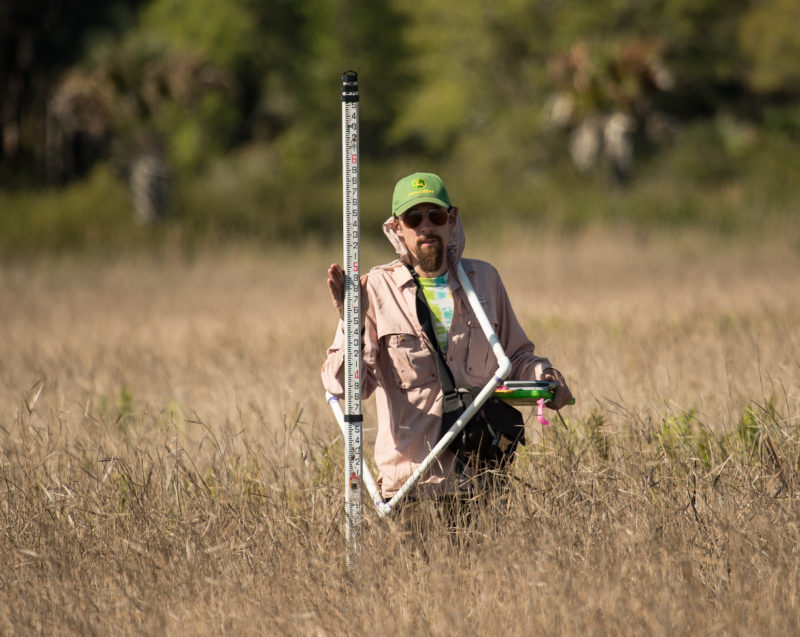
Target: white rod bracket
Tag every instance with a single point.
(502, 372)
(369, 480)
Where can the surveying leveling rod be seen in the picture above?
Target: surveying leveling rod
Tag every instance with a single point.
(352, 316)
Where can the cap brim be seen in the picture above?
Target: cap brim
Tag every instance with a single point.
(418, 200)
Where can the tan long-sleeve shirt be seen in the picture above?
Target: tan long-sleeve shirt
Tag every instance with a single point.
(399, 367)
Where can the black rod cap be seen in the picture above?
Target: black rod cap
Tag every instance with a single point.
(349, 86)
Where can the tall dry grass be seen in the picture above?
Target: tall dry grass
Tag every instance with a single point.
(169, 465)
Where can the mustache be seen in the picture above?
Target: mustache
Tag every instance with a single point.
(430, 237)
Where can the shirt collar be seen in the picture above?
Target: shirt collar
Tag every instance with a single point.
(404, 279)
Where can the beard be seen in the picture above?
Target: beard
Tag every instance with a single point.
(430, 257)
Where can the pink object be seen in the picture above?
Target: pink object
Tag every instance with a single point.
(540, 414)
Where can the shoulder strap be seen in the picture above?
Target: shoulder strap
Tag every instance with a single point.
(451, 399)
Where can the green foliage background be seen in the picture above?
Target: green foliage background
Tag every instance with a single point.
(242, 99)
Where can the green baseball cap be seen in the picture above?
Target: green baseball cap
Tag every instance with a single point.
(419, 188)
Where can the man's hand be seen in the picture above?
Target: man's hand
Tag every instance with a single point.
(562, 395)
(336, 286)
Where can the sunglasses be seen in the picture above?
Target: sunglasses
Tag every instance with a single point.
(413, 218)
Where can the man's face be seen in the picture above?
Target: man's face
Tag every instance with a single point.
(425, 239)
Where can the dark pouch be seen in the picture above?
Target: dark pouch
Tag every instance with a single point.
(491, 436)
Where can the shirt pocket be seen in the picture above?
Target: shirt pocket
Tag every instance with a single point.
(480, 362)
(410, 359)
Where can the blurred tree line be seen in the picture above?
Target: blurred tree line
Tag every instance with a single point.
(224, 113)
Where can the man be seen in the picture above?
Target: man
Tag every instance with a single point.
(399, 362)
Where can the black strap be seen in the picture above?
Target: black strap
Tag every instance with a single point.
(452, 402)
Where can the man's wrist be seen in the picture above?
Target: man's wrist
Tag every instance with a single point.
(552, 371)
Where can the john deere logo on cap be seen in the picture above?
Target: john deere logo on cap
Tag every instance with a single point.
(418, 184)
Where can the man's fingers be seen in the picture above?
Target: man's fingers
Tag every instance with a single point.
(336, 279)
(561, 397)
(336, 274)
(561, 394)
(336, 285)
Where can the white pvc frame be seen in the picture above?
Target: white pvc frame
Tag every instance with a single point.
(502, 372)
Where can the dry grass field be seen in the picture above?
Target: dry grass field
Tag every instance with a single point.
(169, 464)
